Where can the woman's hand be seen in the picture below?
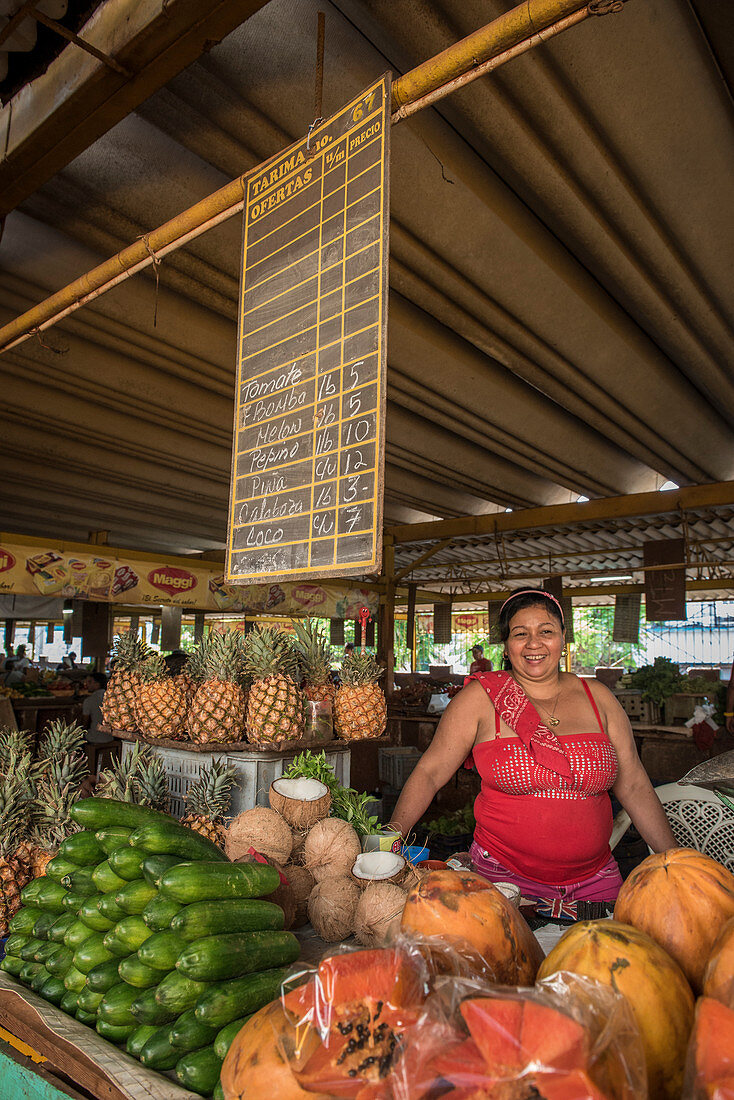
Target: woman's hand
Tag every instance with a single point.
(452, 742)
(633, 788)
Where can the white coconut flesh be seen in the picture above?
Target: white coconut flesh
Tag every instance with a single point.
(301, 790)
(378, 866)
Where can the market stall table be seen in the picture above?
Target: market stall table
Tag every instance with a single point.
(35, 712)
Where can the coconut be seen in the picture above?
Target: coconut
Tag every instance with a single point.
(261, 829)
(378, 913)
(302, 802)
(302, 882)
(299, 839)
(378, 867)
(331, 907)
(331, 848)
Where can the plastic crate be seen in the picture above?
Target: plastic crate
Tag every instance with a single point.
(394, 765)
(680, 707)
(255, 772)
(638, 709)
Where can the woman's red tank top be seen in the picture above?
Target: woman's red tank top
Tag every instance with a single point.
(546, 827)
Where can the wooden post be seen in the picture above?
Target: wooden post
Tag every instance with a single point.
(387, 619)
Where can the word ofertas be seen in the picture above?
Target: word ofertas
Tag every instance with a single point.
(290, 188)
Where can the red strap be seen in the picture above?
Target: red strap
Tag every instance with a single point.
(587, 689)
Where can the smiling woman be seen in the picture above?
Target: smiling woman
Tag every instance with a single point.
(548, 748)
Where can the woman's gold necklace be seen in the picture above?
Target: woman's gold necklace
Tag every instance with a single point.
(552, 720)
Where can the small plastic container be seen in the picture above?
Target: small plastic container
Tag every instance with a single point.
(381, 842)
(319, 722)
(415, 853)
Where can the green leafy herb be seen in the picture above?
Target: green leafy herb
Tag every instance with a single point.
(346, 803)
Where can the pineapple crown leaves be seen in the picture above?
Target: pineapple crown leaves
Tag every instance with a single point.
(62, 760)
(360, 668)
(13, 742)
(130, 651)
(139, 778)
(153, 668)
(16, 795)
(270, 652)
(314, 652)
(51, 820)
(221, 657)
(211, 795)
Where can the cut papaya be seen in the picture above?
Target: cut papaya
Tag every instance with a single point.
(711, 1051)
(513, 1034)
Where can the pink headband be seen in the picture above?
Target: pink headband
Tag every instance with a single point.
(535, 592)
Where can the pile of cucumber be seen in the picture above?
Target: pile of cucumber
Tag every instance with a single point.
(145, 931)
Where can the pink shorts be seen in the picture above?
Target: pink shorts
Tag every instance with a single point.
(603, 886)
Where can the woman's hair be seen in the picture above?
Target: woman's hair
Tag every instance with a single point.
(518, 601)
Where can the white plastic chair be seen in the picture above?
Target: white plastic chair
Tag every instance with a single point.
(698, 818)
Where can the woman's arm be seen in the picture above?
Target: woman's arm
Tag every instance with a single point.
(452, 742)
(633, 787)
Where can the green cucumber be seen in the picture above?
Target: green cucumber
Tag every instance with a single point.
(215, 958)
(115, 1005)
(53, 990)
(59, 963)
(60, 927)
(223, 1002)
(127, 936)
(98, 813)
(69, 1002)
(109, 908)
(40, 979)
(199, 1071)
(29, 970)
(227, 1035)
(87, 1018)
(159, 912)
(47, 895)
(160, 950)
(25, 919)
(89, 1000)
(139, 1038)
(12, 965)
(188, 1033)
(178, 993)
(134, 896)
(153, 867)
(146, 1009)
(216, 881)
(127, 862)
(90, 915)
(136, 973)
(81, 849)
(45, 951)
(17, 940)
(80, 879)
(28, 950)
(105, 880)
(170, 838)
(103, 977)
(75, 980)
(91, 953)
(76, 898)
(159, 1052)
(218, 1093)
(212, 918)
(58, 867)
(76, 934)
(43, 925)
(113, 837)
(114, 1033)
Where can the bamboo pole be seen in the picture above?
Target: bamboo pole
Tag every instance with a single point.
(512, 33)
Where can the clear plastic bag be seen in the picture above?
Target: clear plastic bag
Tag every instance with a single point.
(319, 722)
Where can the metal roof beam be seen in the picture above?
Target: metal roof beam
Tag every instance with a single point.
(711, 495)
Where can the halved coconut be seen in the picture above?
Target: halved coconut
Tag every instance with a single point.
(378, 867)
(302, 802)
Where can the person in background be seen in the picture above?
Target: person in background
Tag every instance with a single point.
(95, 683)
(12, 674)
(548, 747)
(21, 660)
(479, 661)
(348, 649)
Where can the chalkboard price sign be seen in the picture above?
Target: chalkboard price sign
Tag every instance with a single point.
(309, 432)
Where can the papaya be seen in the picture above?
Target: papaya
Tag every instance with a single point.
(710, 1065)
(255, 1066)
(718, 978)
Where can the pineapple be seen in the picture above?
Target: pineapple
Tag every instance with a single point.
(118, 705)
(160, 704)
(16, 792)
(140, 777)
(217, 712)
(63, 767)
(314, 655)
(13, 742)
(361, 711)
(275, 704)
(208, 800)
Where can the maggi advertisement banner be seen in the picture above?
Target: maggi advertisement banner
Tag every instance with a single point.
(31, 571)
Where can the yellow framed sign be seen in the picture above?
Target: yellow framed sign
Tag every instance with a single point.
(309, 427)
